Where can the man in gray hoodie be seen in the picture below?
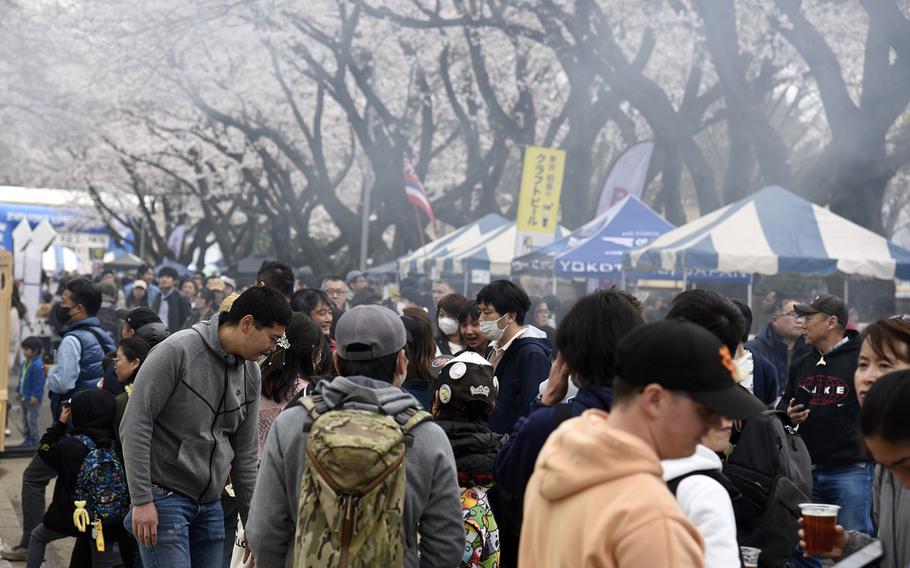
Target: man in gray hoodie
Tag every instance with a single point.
(370, 355)
(192, 419)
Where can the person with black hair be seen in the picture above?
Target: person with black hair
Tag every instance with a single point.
(31, 388)
(372, 363)
(278, 275)
(841, 474)
(290, 371)
(146, 274)
(191, 421)
(448, 337)
(420, 350)
(78, 367)
(171, 306)
(469, 328)
(781, 340)
(365, 296)
(585, 344)
(316, 304)
(337, 290)
(131, 353)
(519, 353)
(712, 311)
(203, 307)
(759, 376)
(92, 414)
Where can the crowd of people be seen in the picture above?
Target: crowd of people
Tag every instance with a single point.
(195, 423)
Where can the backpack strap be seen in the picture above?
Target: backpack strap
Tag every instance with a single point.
(413, 418)
(714, 474)
(311, 404)
(85, 441)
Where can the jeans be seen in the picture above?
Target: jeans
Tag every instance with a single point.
(849, 486)
(42, 535)
(30, 422)
(190, 534)
(34, 483)
(229, 507)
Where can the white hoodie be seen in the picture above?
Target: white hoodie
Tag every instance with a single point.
(707, 505)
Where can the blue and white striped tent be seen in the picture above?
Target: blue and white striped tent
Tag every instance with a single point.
(769, 232)
(463, 238)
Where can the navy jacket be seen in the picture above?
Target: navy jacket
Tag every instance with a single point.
(765, 380)
(524, 365)
(515, 461)
(770, 344)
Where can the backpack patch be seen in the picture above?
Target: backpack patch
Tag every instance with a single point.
(481, 549)
(101, 482)
(352, 490)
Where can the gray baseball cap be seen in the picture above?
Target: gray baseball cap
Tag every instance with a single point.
(369, 332)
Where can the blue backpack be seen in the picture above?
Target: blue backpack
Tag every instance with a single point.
(101, 482)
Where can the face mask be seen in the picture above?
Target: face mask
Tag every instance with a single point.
(448, 326)
(62, 314)
(400, 306)
(491, 329)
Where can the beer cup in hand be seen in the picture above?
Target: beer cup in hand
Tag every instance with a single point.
(820, 534)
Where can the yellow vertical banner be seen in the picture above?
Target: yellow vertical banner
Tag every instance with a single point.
(538, 202)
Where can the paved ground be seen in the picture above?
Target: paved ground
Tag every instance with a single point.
(11, 514)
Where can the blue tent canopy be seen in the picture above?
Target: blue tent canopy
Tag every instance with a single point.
(774, 231)
(596, 249)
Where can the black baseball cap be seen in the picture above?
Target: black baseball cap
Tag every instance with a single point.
(138, 317)
(467, 377)
(682, 356)
(825, 304)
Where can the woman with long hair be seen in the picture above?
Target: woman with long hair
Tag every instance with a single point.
(138, 296)
(882, 383)
(288, 371)
(420, 349)
(316, 304)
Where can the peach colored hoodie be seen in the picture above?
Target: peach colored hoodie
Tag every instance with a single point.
(597, 499)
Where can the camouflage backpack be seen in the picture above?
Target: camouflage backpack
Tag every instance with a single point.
(352, 490)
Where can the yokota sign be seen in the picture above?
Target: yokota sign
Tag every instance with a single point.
(538, 202)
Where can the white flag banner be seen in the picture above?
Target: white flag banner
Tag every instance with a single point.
(175, 240)
(627, 176)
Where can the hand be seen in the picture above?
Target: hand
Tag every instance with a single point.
(557, 383)
(33, 401)
(145, 524)
(47, 369)
(248, 559)
(797, 413)
(65, 414)
(840, 542)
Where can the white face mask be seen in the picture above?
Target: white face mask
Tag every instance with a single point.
(448, 326)
(400, 306)
(491, 329)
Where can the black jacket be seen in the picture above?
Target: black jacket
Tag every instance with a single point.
(772, 346)
(178, 310)
(831, 431)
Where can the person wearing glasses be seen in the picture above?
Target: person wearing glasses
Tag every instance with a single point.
(841, 475)
(337, 291)
(781, 339)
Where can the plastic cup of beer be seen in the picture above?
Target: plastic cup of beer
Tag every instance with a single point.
(819, 521)
(750, 556)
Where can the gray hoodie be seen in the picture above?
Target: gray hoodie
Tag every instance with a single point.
(891, 512)
(192, 418)
(432, 505)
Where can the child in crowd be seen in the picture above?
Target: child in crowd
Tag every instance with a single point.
(31, 389)
(92, 413)
(463, 400)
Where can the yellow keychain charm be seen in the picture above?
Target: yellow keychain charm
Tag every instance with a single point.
(80, 516)
(98, 535)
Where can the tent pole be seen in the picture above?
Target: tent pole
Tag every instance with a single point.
(685, 276)
(846, 290)
(554, 284)
(749, 293)
(466, 283)
(622, 278)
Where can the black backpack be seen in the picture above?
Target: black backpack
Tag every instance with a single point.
(772, 470)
